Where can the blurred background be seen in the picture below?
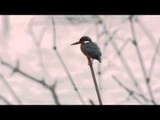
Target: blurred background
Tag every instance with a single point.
(38, 65)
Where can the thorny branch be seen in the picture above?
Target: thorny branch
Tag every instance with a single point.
(91, 101)
(127, 68)
(42, 82)
(131, 18)
(153, 61)
(146, 32)
(100, 21)
(118, 52)
(132, 93)
(62, 62)
(37, 41)
(10, 89)
(5, 100)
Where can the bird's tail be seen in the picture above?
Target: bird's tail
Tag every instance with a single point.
(100, 60)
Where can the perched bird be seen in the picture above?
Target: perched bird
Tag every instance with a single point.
(90, 49)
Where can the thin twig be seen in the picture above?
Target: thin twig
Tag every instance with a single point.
(94, 80)
(119, 52)
(131, 92)
(10, 89)
(37, 41)
(128, 70)
(126, 66)
(69, 76)
(15, 69)
(42, 82)
(146, 32)
(54, 94)
(121, 48)
(153, 61)
(140, 59)
(91, 101)
(62, 62)
(110, 38)
(5, 100)
(137, 47)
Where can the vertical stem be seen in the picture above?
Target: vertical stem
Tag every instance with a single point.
(122, 59)
(146, 32)
(63, 63)
(54, 94)
(70, 78)
(5, 100)
(127, 68)
(94, 80)
(10, 89)
(141, 61)
(42, 82)
(131, 92)
(153, 61)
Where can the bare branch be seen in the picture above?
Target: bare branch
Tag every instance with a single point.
(5, 100)
(10, 89)
(37, 40)
(132, 93)
(126, 66)
(15, 69)
(91, 101)
(146, 32)
(62, 62)
(131, 18)
(118, 52)
(52, 89)
(153, 61)
(137, 47)
(41, 82)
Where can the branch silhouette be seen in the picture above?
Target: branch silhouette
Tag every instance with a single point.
(62, 62)
(10, 89)
(131, 20)
(40, 81)
(132, 93)
(94, 80)
(127, 68)
(5, 100)
(153, 61)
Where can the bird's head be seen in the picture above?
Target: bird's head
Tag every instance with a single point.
(82, 40)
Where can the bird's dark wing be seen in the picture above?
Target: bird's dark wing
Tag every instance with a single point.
(92, 49)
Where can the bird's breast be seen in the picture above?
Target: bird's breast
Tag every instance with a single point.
(83, 51)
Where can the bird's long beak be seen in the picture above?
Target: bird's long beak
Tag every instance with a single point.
(75, 43)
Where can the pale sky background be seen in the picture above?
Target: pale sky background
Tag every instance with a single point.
(18, 44)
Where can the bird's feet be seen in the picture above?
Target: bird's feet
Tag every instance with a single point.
(90, 61)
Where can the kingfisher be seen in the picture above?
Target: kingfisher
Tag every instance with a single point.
(89, 48)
